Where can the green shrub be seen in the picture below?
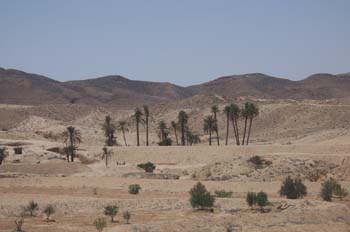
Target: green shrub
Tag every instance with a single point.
(111, 211)
(31, 208)
(200, 197)
(126, 216)
(332, 188)
(251, 199)
(293, 189)
(261, 199)
(134, 189)
(48, 211)
(100, 224)
(223, 194)
(148, 167)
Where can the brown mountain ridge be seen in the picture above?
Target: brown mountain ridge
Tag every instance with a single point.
(19, 87)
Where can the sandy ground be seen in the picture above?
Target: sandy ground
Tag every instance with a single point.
(314, 150)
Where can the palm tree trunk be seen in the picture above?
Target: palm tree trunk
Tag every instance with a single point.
(123, 130)
(177, 142)
(209, 136)
(147, 131)
(250, 126)
(227, 128)
(217, 129)
(183, 134)
(68, 156)
(72, 157)
(245, 129)
(137, 133)
(234, 128)
(236, 124)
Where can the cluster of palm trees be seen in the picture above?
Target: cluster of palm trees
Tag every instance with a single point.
(182, 133)
(233, 114)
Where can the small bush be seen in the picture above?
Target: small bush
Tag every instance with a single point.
(19, 223)
(257, 160)
(31, 208)
(223, 194)
(48, 211)
(100, 224)
(261, 199)
(200, 197)
(126, 216)
(111, 211)
(293, 189)
(134, 189)
(332, 188)
(148, 167)
(251, 199)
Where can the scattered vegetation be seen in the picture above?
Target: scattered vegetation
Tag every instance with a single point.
(111, 211)
(331, 188)
(293, 189)
(31, 208)
(134, 189)
(200, 197)
(223, 194)
(148, 167)
(126, 216)
(163, 133)
(3, 154)
(48, 211)
(100, 224)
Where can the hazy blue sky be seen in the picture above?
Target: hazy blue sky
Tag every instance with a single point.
(183, 41)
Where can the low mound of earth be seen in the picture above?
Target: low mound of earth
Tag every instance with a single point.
(240, 168)
(46, 169)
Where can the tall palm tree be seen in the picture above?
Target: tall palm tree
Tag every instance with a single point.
(253, 112)
(227, 112)
(146, 112)
(72, 137)
(123, 126)
(138, 119)
(182, 120)
(174, 125)
(109, 129)
(245, 115)
(163, 134)
(215, 111)
(3, 154)
(234, 113)
(209, 126)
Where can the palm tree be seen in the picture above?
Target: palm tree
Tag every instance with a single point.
(227, 112)
(209, 126)
(234, 113)
(146, 112)
(253, 112)
(3, 154)
(163, 134)
(245, 115)
(72, 137)
(182, 121)
(138, 119)
(192, 138)
(123, 126)
(174, 125)
(107, 154)
(215, 111)
(109, 129)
